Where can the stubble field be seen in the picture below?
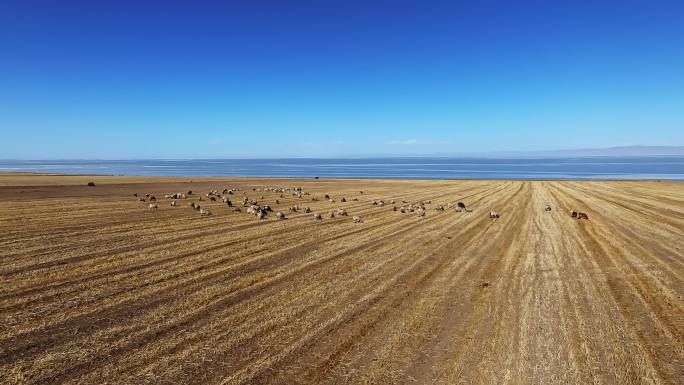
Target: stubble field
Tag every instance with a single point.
(97, 288)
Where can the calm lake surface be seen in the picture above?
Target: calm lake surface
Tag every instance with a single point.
(665, 167)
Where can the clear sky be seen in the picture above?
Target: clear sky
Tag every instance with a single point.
(165, 79)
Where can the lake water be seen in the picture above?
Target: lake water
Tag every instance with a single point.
(666, 167)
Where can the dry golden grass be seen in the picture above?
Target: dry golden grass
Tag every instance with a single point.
(95, 288)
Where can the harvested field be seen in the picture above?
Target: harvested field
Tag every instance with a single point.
(96, 288)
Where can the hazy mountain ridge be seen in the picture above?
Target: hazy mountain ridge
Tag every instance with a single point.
(590, 152)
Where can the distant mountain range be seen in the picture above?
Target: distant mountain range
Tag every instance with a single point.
(589, 152)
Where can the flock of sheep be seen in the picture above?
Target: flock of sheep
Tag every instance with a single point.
(261, 211)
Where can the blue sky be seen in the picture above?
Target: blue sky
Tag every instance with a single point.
(170, 79)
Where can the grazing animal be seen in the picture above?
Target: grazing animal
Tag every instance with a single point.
(212, 199)
(493, 214)
(356, 219)
(547, 208)
(189, 192)
(461, 205)
(355, 199)
(327, 196)
(294, 209)
(141, 199)
(574, 214)
(307, 209)
(236, 209)
(153, 206)
(582, 216)
(280, 215)
(317, 216)
(331, 214)
(152, 198)
(261, 214)
(343, 200)
(469, 210)
(342, 212)
(205, 212)
(135, 195)
(277, 202)
(174, 204)
(420, 212)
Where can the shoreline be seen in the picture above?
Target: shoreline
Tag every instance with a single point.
(4, 174)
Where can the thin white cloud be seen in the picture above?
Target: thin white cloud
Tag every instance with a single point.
(408, 141)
